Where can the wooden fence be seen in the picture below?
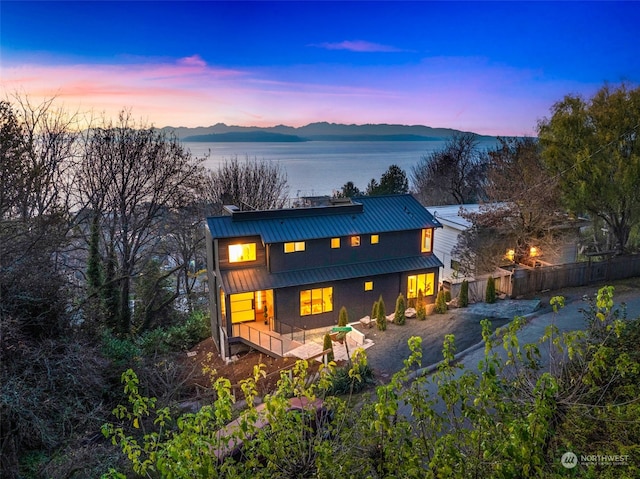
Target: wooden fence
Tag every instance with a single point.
(549, 278)
(525, 280)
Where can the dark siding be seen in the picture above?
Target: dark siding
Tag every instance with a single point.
(348, 293)
(318, 253)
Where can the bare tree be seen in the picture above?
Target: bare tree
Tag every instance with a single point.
(133, 177)
(523, 210)
(249, 185)
(454, 175)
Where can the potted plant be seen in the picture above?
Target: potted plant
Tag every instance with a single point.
(265, 312)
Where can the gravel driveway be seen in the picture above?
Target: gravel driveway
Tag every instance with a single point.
(390, 347)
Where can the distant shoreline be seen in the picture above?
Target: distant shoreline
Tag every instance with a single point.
(323, 131)
(263, 137)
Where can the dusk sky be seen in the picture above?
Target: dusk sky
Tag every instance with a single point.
(495, 68)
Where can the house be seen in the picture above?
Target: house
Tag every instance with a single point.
(565, 249)
(446, 238)
(276, 273)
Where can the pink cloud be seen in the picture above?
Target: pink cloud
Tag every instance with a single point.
(192, 61)
(358, 46)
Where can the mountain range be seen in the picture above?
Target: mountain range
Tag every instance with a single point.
(321, 131)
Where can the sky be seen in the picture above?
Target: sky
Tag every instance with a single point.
(495, 68)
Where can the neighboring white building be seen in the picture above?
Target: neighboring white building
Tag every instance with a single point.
(446, 238)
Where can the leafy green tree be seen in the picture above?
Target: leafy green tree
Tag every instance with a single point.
(490, 293)
(381, 316)
(513, 414)
(592, 147)
(400, 317)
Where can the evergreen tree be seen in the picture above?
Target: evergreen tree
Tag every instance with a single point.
(328, 344)
(490, 295)
(464, 294)
(343, 317)
(400, 317)
(381, 318)
(441, 302)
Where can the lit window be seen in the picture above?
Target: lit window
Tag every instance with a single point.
(335, 243)
(420, 285)
(368, 285)
(294, 246)
(239, 253)
(511, 254)
(316, 301)
(533, 252)
(355, 241)
(425, 243)
(375, 239)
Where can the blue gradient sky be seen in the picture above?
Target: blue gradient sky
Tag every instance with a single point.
(491, 67)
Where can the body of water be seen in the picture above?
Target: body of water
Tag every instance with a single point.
(322, 167)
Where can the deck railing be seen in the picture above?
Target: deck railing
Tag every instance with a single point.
(276, 343)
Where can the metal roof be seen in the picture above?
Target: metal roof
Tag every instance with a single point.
(449, 215)
(257, 279)
(365, 215)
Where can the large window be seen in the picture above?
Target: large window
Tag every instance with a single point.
(316, 301)
(242, 307)
(426, 243)
(294, 246)
(239, 253)
(420, 282)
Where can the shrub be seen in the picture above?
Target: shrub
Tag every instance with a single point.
(490, 296)
(328, 344)
(441, 303)
(421, 312)
(122, 352)
(447, 295)
(343, 317)
(464, 294)
(176, 338)
(374, 311)
(381, 317)
(400, 318)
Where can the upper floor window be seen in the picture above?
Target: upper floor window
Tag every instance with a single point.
(294, 246)
(426, 243)
(335, 243)
(355, 241)
(368, 285)
(375, 239)
(239, 253)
